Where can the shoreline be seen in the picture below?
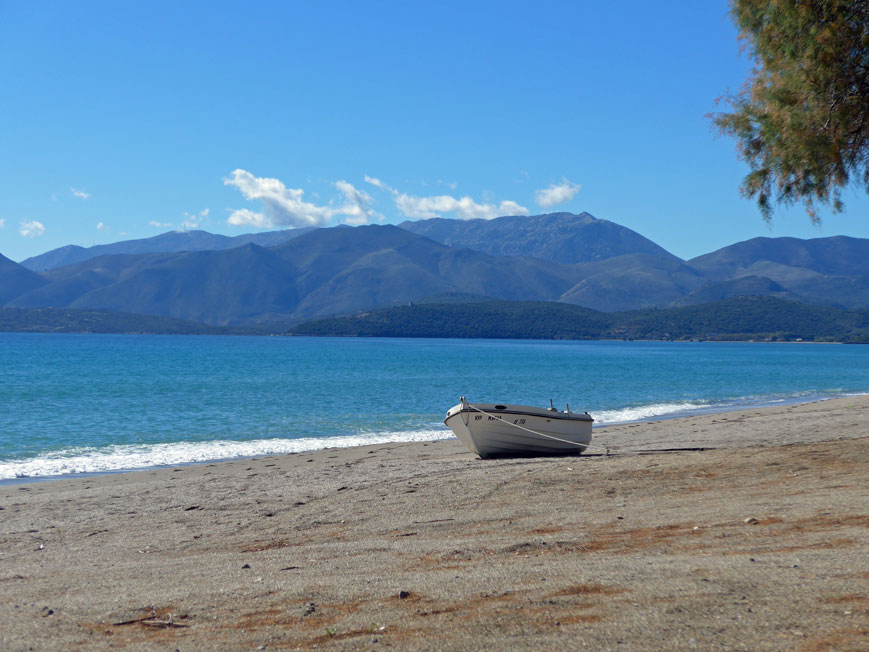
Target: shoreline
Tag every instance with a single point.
(694, 412)
(415, 337)
(758, 543)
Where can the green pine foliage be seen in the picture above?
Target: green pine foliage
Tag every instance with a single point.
(487, 319)
(802, 119)
(760, 318)
(737, 318)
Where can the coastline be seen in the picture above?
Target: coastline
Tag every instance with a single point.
(720, 408)
(759, 541)
(237, 331)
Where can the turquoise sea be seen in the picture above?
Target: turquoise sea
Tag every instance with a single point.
(93, 403)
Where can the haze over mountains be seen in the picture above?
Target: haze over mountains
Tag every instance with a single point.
(298, 275)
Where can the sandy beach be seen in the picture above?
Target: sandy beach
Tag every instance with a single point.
(758, 542)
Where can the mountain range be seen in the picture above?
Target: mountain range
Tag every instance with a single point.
(557, 237)
(296, 275)
(168, 242)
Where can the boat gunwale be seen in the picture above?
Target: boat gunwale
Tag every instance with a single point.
(542, 413)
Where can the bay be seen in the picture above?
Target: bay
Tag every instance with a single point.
(94, 403)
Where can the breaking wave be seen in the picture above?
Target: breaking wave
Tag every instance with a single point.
(641, 412)
(128, 457)
(670, 410)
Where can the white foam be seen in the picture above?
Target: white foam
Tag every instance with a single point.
(640, 412)
(130, 457)
(659, 410)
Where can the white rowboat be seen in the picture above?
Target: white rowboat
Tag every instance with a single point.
(499, 430)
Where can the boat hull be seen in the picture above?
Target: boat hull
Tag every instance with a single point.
(518, 431)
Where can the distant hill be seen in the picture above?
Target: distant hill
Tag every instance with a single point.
(745, 317)
(839, 291)
(784, 259)
(16, 280)
(632, 281)
(169, 242)
(556, 237)
(738, 287)
(832, 271)
(734, 318)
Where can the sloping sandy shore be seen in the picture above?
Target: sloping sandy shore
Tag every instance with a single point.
(759, 543)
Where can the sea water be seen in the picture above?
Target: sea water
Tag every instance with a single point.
(74, 404)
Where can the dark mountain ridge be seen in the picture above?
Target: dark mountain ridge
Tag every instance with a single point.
(171, 241)
(835, 256)
(16, 280)
(738, 287)
(832, 271)
(557, 237)
(765, 318)
(632, 281)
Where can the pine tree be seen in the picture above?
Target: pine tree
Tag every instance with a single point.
(802, 119)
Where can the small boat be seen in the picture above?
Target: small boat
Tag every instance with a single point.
(498, 430)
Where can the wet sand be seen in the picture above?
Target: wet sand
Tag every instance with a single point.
(758, 542)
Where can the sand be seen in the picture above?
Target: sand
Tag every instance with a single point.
(757, 543)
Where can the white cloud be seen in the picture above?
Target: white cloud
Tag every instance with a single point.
(194, 220)
(284, 206)
(281, 205)
(31, 229)
(374, 181)
(509, 207)
(464, 207)
(557, 193)
(357, 204)
(433, 206)
(160, 225)
(245, 217)
(2, 223)
(81, 194)
(101, 226)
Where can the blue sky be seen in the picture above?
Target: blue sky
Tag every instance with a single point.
(125, 120)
